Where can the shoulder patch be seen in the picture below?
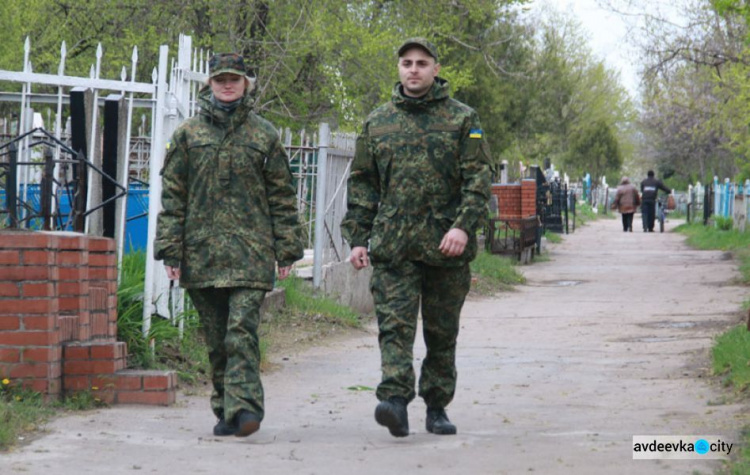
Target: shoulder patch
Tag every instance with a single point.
(476, 134)
(384, 129)
(169, 145)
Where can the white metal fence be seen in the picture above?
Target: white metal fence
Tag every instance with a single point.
(320, 161)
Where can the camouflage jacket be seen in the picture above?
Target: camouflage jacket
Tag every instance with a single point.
(228, 205)
(421, 167)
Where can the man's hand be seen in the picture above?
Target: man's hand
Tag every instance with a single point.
(454, 242)
(359, 257)
(172, 272)
(284, 272)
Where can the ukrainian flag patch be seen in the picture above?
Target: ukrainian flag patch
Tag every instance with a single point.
(169, 144)
(475, 133)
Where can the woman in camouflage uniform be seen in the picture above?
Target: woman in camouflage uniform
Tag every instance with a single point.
(229, 215)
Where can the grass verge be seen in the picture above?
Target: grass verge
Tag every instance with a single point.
(23, 412)
(585, 213)
(731, 351)
(494, 273)
(553, 238)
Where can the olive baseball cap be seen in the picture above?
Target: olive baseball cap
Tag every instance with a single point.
(420, 42)
(221, 63)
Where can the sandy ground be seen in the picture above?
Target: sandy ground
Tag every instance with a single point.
(609, 339)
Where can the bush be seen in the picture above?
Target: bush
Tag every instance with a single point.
(724, 223)
(162, 347)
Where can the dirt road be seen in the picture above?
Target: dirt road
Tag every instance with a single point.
(609, 339)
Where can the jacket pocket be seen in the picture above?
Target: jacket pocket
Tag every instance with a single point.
(386, 236)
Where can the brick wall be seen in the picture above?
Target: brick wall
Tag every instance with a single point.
(58, 317)
(508, 200)
(515, 200)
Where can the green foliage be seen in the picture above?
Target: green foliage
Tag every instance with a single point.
(553, 237)
(81, 401)
(730, 355)
(186, 355)
(495, 273)
(325, 60)
(585, 213)
(565, 93)
(300, 298)
(130, 307)
(739, 464)
(710, 237)
(724, 223)
(21, 411)
(595, 149)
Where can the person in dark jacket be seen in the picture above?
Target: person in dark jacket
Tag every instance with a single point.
(626, 202)
(228, 217)
(418, 192)
(649, 190)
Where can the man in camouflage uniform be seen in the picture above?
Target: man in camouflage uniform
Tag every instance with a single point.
(229, 215)
(418, 193)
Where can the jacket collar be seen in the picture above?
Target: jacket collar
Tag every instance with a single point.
(437, 93)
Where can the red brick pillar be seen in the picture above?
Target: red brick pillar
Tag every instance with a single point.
(30, 352)
(528, 198)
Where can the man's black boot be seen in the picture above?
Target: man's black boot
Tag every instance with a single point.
(246, 423)
(222, 428)
(437, 422)
(392, 414)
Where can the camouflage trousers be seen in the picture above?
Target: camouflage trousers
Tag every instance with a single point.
(230, 319)
(397, 291)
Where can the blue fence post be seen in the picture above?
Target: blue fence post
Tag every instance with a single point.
(727, 196)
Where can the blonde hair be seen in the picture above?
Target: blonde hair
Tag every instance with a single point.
(249, 84)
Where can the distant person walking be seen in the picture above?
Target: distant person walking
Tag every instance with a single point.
(626, 203)
(649, 192)
(229, 216)
(418, 193)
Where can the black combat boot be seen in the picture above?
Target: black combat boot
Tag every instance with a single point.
(392, 414)
(246, 423)
(222, 428)
(437, 422)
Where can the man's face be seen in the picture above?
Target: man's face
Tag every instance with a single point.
(228, 87)
(417, 71)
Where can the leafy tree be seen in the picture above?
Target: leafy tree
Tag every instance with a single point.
(534, 84)
(595, 149)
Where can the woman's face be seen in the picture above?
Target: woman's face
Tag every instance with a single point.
(228, 87)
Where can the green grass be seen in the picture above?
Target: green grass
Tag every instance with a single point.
(301, 298)
(711, 237)
(23, 411)
(495, 273)
(554, 238)
(186, 355)
(585, 213)
(740, 461)
(730, 355)
(730, 358)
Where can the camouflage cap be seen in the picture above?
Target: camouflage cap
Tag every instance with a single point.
(221, 63)
(420, 42)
